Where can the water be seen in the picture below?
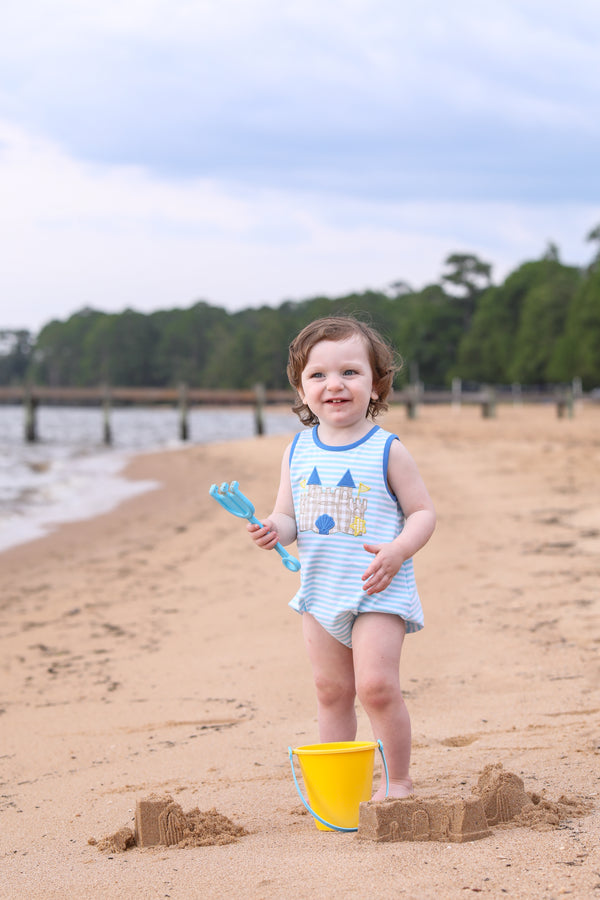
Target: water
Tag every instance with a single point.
(69, 475)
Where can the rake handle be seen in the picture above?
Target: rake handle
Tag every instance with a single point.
(232, 499)
(289, 561)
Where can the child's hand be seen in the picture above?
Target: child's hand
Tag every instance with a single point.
(263, 536)
(386, 564)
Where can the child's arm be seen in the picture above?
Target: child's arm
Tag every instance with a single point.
(408, 486)
(281, 524)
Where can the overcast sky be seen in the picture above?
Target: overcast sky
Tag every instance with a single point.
(158, 152)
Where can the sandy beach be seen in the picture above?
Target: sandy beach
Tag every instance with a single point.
(151, 651)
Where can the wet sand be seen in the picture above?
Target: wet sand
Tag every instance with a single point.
(151, 651)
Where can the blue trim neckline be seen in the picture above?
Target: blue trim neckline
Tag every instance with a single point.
(335, 448)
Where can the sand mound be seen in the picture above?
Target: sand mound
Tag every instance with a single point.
(544, 814)
(505, 800)
(211, 827)
(159, 820)
(502, 793)
(118, 842)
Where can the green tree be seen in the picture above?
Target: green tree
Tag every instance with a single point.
(119, 349)
(594, 236)
(577, 352)
(487, 349)
(428, 329)
(186, 339)
(471, 276)
(15, 355)
(542, 323)
(59, 349)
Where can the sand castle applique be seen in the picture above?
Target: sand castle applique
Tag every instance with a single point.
(327, 510)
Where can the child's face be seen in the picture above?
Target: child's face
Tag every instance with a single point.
(337, 383)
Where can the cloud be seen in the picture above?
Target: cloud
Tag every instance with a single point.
(153, 152)
(77, 234)
(410, 100)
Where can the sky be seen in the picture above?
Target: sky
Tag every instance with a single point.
(155, 153)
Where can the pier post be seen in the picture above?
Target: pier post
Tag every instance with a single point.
(577, 388)
(30, 403)
(456, 393)
(106, 429)
(183, 412)
(261, 396)
(412, 402)
(488, 403)
(564, 403)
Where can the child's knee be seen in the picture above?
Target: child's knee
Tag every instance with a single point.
(333, 691)
(378, 692)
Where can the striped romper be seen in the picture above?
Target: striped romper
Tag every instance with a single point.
(341, 501)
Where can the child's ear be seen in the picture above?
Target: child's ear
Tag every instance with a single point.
(374, 395)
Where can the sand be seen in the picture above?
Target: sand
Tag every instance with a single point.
(150, 651)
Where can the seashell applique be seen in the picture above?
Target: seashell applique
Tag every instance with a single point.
(324, 523)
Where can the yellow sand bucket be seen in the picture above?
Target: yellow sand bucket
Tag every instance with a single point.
(337, 778)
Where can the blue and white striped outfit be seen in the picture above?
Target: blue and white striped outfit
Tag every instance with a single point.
(341, 501)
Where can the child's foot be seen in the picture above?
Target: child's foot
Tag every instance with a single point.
(398, 790)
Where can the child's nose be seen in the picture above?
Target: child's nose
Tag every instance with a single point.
(334, 382)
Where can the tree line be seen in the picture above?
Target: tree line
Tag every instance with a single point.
(541, 326)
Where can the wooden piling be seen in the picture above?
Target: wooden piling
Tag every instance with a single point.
(412, 400)
(564, 404)
(183, 412)
(30, 404)
(106, 404)
(456, 393)
(488, 404)
(261, 396)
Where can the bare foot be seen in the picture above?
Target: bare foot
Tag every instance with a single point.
(398, 790)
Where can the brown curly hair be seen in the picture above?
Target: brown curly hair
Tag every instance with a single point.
(384, 360)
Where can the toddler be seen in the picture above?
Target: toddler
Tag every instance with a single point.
(351, 495)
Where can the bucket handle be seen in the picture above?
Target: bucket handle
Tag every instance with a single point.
(311, 810)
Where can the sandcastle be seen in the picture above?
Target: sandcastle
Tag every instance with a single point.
(502, 794)
(498, 799)
(147, 815)
(161, 821)
(423, 819)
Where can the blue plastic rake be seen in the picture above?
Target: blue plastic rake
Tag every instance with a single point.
(231, 498)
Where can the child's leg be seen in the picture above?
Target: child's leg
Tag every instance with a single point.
(333, 673)
(377, 640)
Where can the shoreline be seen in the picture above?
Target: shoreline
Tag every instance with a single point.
(151, 649)
(40, 527)
(84, 480)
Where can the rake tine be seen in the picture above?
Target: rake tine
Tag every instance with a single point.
(231, 498)
(231, 501)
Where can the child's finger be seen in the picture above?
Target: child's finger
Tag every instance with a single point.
(370, 571)
(372, 548)
(254, 528)
(263, 535)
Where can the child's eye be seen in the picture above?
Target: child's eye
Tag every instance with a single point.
(350, 372)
